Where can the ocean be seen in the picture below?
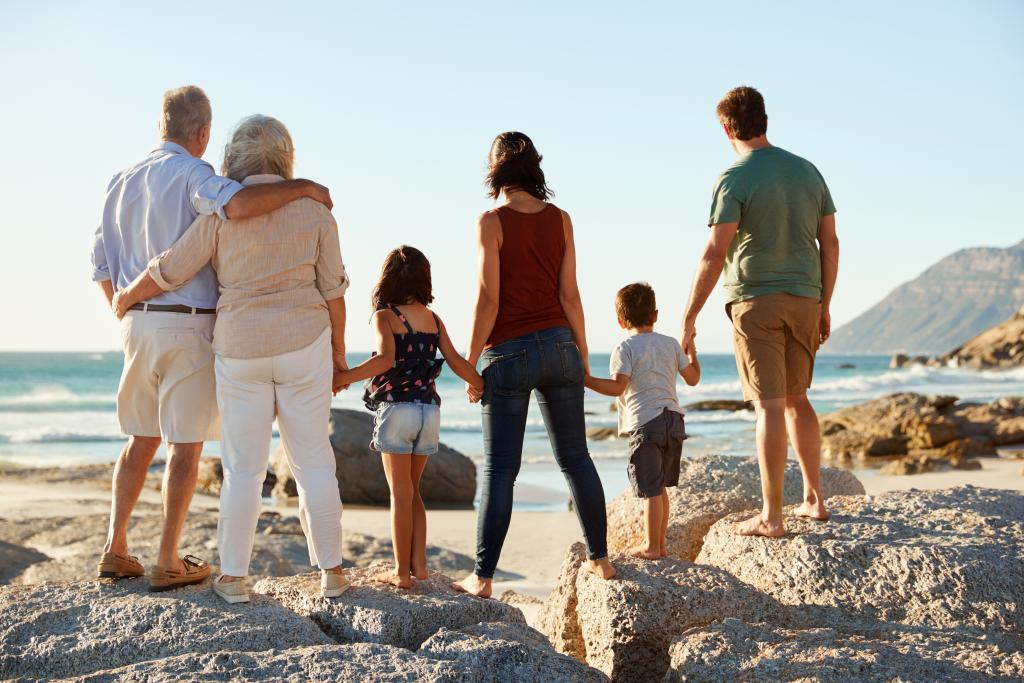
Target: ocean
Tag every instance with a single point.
(58, 409)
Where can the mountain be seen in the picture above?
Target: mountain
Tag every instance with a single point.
(960, 296)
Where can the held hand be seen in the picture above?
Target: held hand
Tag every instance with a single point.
(474, 391)
(340, 368)
(318, 192)
(691, 351)
(689, 334)
(119, 304)
(338, 383)
(824, 325)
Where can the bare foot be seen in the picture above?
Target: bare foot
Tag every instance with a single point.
(601, 568)
(816, 511)
(645, 553)
(474, 585)
(755, 526)
(419, 571)
(397, 580)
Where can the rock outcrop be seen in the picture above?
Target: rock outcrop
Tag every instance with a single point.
(908, 423)
(732, 651)
(719, 404)
(926, 584)
(949, 559)
(69, 629)
(449, 478)
(1001, 346)
(710, 487)
(373, 612)
(103, 631)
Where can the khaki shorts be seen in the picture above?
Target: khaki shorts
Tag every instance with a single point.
(167, 386)
(776, 338)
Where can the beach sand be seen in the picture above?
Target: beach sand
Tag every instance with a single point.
(536, 541)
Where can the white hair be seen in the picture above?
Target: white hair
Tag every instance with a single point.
(259, 144)
(185, 110)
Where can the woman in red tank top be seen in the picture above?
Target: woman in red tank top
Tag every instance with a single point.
(528, 329)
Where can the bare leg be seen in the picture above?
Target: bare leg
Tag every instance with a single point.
(805, 435)
(665, 509)
(397, 469)
(418, 558)
(126, 486)
(652, 525)
(771, 459)
(179, 485)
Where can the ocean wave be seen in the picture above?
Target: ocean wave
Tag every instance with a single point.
(55, 398)
(48, 435)
(922, 379)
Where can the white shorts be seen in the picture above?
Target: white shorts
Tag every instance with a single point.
(167, 386)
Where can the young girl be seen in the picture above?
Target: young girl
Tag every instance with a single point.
(402, 392)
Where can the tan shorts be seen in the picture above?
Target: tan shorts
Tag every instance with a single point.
(167, 386)
(776, 337)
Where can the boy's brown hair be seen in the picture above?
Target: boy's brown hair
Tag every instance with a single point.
(742, 112)
(635, 305)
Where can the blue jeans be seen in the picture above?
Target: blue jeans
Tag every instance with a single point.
(548, 362)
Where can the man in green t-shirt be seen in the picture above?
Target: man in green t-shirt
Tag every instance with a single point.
(773, 231)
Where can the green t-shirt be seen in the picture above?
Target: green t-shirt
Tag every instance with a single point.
(779, 200)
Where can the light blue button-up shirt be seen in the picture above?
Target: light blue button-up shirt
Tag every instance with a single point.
(149, 206)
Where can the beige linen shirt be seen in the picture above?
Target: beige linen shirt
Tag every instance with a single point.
(275, 271)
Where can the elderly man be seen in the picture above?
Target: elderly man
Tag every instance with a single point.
(167, 389)
(773, 230)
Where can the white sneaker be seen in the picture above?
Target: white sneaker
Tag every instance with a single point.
(232, 591)
(333, 584)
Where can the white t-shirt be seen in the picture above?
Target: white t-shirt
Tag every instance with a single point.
(652, 362)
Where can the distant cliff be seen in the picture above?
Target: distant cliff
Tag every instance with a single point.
(959, 297)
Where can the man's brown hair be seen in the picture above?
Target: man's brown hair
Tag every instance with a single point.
(635, 305)
(742, 112)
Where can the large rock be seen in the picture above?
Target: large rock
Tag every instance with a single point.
(1001, 346)
(734, 651)
(374, 612)
(951, 559)
(495, 653)
(624, 626)
(69, 629)
(719, 404)
(899, 424)
(501, 652)
(448, 479)
(710, 487)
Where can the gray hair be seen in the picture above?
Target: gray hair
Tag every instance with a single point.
(185, 110)
(259, 144)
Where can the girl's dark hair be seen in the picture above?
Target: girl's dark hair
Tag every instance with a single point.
(404, 278)
(514, 163)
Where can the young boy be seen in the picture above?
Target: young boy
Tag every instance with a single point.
(643, 380)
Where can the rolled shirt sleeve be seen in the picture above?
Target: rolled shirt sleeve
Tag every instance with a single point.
(100, 269)
(726, 203)
(331, 277)
(179, 264)
(209, 192)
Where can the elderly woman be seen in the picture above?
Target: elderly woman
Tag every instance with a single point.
(281, 314)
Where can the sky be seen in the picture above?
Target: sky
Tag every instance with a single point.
(910, 110)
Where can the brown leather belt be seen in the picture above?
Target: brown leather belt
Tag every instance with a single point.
(176, 308)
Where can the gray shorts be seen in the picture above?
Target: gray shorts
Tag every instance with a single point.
(655, 449)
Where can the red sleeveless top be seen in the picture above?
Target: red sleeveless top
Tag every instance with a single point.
(532, 249)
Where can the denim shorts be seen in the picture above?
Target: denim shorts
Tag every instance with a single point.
(655, 451)
(407, 428)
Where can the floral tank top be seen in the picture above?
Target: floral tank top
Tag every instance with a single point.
(413, 378)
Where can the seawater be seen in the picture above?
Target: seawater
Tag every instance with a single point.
(58, 409)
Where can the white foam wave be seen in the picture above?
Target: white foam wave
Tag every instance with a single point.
(57, 435)
(54, 397)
